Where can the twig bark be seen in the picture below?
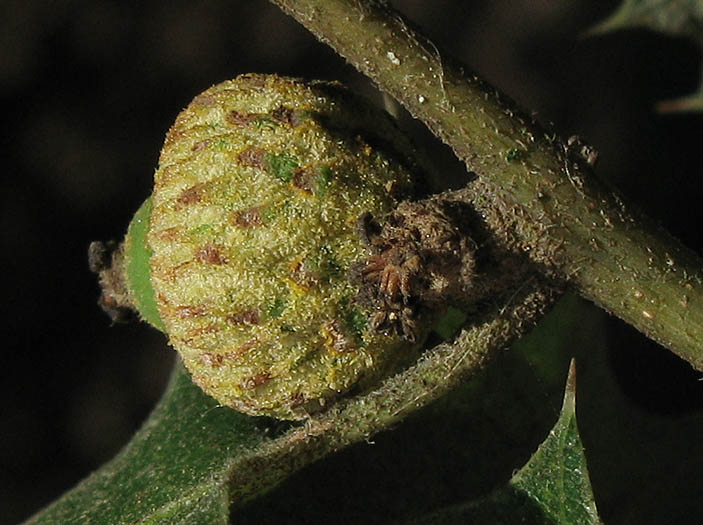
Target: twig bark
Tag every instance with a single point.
(536, 190)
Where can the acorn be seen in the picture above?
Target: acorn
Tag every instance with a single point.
(262, 255)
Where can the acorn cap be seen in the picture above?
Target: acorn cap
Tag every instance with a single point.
(242, 254)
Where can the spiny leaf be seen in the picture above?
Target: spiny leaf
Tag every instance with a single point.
(552, 488)
(682, 18)
(556, 476)
(675, 17)
(175, 470)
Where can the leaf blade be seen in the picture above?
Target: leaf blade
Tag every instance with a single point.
(160, 475)
(552, 488)
(557, 475)
(674, 17)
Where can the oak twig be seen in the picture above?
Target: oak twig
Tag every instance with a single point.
(536, 190)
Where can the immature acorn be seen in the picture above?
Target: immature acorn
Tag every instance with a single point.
(259, 253)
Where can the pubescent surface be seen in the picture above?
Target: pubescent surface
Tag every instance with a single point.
(260, 185)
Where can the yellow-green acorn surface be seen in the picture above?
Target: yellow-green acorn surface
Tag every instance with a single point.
(252, 232)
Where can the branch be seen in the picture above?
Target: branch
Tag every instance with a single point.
(537, 191)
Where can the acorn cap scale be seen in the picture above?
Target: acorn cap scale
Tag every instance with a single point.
(242, 254)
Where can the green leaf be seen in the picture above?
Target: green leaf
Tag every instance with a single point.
(450, 323)
(556, 476)
(553, 487)
(675, 17)
(175, 470)
(682, 18)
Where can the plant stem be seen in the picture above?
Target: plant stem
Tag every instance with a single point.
(535, 191)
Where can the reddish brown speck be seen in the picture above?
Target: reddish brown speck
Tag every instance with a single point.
(209, 329)
(255, 381)
(210, 254)
(216, 360)
(169, 234)
(198, 146)
(253, 157)
(188, 312)
(245, 317)
(249, 217)
(297, 400)
(211, 360)
(285, 115)
(303, 180)
(165, 175)
(203, 100)
(193, 194)
(304, 276)
(167, 273)
(242, 349)
(240, 119)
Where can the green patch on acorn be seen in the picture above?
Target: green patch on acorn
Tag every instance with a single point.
(138, 256)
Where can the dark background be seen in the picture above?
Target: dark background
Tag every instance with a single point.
(88, 90)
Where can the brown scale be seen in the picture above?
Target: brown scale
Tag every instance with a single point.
(211, 254)
(106, 259)
(192, 195)
(245, 317)
(252, 157)
(297, 400)
(285, 115)
(247, 217)
(420, 262)
(216, 360)
(303, 180)
(191, 312)
(169, 234)
(388, 278)
(196, 333)
(256, 381)
(201, 145)
(240, 119)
